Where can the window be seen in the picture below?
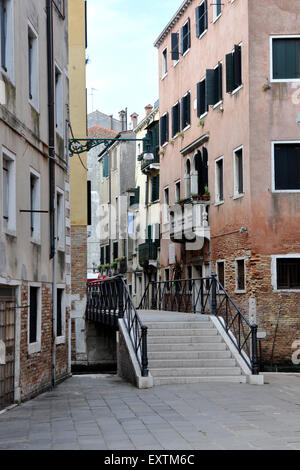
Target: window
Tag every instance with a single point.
(166, 206)
(238, 172)
(155, 188)
(175, 46)
(186, 111)
(202, 106)
(34, 205)
(60, 214)
(167, 274)
(175, 119)
(105, 166)
(219, 181)
(288, 273)
(34, 319)
(102, 256)
(234, 69)
(240, 275)
(60, 313)
(201, 19)
(186, 37)
(221, 272)
(33, 68)
(164, 62)
(187, 176)
(285, 58)
(116, 250)
(286, 162)
(217, 9)
(7, 36)
(107, 254)
(214, 85)
(164, 129)
(59, 109)
(177, 191)
(8, 191)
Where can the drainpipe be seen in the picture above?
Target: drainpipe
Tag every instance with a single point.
(50, 69)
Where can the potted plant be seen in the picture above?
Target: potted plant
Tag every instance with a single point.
(161, 152)
(206, 195)
(201, 122)
(180, 134)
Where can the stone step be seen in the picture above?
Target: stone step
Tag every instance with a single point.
(192, 380)
(182, 355)
(190, 363)
(180, 325)
(200, 347)
(184, 339)
(195, 371)
(183, 332)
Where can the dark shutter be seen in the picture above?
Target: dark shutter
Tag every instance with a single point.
(33, 315)
(210, 89)
(188, 109)
(182, 40)
(102, 260)
(175, 46)
(219, 82)
(240, 172)
(3, 35)
(155, 188)
(107, 254)
(199, 99)
(167, 127)
(229, 73)
(237, 66)
(189, 34)
(198, 16)
(89, 203)
(59, 312)
(286, 58)
(116, 250)
(149, 233)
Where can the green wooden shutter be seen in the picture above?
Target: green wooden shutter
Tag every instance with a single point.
(210, 93)
(155, 188)
(105, 166)
(237, 66)
(189, 33)
(198, 16)
(107, 254)
(149, 233)
(188, 109)
(182, 41)
(229, 73)
(219, 82)
(175, 46)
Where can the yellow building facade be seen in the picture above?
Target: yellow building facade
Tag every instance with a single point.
(78, 175)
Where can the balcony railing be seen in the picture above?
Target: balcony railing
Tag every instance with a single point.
(189, 221)
(151, 164)
(147, 252)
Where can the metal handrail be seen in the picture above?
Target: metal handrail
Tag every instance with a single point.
(109, 300)
(206, 295)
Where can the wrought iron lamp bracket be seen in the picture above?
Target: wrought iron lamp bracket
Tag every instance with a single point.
(78, 146)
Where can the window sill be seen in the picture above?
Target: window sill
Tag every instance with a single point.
(175, 63)
(286, 291)
(186, 128)
(238, 196)
(8, 77)
(60, 340)
(34, 348)
(217, 18)
(164, 76)
(34, 106)
(202, 34)
(165, 144)
(237, 90)
(217, 104)
(186, 52)
(240, 291)
(286, 191)
(10, 233)
(219, 203)
(35, 241)
(284, 80)
(203, 115)
(62, 249)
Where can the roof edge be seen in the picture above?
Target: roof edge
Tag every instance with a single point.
(175, 18)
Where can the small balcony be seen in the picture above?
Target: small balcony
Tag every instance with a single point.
(189, 221)
(147, 252)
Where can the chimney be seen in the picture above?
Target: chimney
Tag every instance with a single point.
(148, 109)
(122, 115)
(134, 120)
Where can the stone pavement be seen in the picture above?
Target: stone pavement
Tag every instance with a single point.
(103, 412)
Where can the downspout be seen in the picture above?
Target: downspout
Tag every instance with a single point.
(50, 68)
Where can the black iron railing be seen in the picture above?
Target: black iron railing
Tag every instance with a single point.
(206, 296)
(107, 301)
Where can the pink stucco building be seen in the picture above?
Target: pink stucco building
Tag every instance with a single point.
(229, 79)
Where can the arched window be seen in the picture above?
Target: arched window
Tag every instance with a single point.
(187, 178)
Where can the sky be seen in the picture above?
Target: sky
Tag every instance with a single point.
(122, 60)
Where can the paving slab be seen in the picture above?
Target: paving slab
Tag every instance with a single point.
(102, 412)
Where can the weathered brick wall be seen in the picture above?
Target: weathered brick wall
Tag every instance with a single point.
(35, 369)
(259, 285)
(78, 291)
